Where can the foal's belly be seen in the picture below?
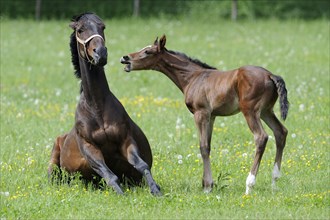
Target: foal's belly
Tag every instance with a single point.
(225, 107)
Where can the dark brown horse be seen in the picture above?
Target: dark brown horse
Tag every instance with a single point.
(104, 141)
(209, 93)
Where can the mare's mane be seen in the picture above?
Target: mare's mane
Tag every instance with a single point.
(74, 48)
(74, 55)
(196, 61)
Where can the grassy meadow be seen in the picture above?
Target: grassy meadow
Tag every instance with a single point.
(39, 94)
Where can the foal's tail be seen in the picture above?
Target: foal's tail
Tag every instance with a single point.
(282, 93)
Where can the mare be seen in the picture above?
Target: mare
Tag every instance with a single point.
(104, 141)
(210, 92)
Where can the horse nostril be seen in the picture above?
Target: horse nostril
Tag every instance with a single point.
(126, 57)
(101, 51)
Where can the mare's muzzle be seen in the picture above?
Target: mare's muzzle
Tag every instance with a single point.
(100, 56)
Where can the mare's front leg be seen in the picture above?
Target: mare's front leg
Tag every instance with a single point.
(131, 152)
(95, 159)
(204, 122)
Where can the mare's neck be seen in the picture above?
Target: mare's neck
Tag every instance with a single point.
(95, 87)
(179, 69)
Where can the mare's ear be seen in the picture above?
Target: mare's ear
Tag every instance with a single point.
(73, 25)
(156, 41)
(162, 42)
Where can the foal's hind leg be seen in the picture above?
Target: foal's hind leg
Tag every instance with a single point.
(260, 137)
(133, 157)
(280, 133)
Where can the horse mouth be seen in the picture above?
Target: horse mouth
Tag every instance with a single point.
(127, 67)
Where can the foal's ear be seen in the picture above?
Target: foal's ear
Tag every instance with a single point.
(162, 43)
(156, 41)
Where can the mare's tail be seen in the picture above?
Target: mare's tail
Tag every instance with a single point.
(282, 93)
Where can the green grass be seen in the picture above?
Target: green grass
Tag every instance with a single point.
(39, 94)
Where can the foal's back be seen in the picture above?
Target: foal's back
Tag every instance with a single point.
(226, 93)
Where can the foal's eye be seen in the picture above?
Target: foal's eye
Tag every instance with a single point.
(147, 52)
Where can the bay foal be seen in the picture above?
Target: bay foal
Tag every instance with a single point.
(210, 92)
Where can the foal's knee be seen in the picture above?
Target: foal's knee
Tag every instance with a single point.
(205, 151)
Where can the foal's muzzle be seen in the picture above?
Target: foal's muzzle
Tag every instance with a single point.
(126, 60)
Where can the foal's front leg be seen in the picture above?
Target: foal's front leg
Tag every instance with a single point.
(204, 122)
(133, 157)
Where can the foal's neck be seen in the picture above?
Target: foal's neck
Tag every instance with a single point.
(94, 84)
(179, 69)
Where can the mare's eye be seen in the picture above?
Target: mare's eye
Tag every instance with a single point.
(147, 52)
(80, 29)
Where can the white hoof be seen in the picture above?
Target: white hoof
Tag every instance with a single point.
(276, 172)
(275, 175)
(250, 182)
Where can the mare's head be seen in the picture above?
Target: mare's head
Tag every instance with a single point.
(87, 40)
(145, 58)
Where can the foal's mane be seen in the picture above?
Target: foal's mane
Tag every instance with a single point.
(196, 61)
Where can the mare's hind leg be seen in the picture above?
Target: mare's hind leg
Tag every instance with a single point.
(280, 133)
(133, 157)
(54, 162)
(260, 138)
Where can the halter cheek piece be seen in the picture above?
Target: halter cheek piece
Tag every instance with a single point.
(84, 42)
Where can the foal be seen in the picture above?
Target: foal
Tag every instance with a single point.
(209, 93)
(104, 141)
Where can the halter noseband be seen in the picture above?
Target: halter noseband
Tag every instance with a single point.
(84, 42)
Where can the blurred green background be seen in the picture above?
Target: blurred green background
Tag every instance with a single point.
(207, 9)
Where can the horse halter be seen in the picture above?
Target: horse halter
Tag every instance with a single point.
(84, 42)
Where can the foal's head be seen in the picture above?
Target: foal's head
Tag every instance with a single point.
(89, 36)
(145, 58)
